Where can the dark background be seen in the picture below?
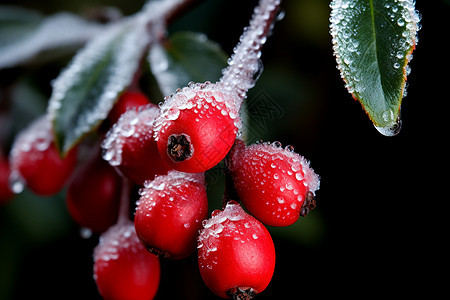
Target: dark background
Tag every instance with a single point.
(380, 224)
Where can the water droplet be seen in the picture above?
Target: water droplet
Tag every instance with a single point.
(290, 148)
(16, 182)
(85, 233)
(392, 129)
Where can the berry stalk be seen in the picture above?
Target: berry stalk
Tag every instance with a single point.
(244, 65)
(164, 10)
(124, 206)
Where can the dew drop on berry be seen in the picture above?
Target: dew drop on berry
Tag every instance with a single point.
(16, 182)
(85, 233)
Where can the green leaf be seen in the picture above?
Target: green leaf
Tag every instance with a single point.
(373, 41)
(26, 35)
(86, 90)
(186, 57)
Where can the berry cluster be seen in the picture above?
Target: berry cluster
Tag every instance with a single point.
(166, 150)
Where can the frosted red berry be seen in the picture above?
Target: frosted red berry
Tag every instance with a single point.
(36, 163)
(273, 183)
(170, 212)
(93, 195)
(123, 268)
(197, 127)
(128, 100)
(5, 191)
(236, 254)
(130, 146)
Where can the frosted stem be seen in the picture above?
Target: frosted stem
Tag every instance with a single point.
(245, 64)
(124, 206)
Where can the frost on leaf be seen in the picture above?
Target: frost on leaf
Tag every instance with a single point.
(86, 90)
(25, 34)
(373, 43)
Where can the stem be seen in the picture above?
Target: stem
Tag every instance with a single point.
(230, 190)
(165, 10)
(245, 63)
(124, 206)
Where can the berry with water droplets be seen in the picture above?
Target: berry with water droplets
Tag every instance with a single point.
(123, 269)
(169, 213)
(197, 127)
(36, 163)
(236, 254)
(275, 184)
(130, 146)
(93, 195)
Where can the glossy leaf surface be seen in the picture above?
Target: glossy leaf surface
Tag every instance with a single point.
(186, 57)
(373, 41)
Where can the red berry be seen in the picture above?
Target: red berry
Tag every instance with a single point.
(93, 195)
(131, 147)
(197, 127)
(123, 269)
(127, 101)
(5, 191)
(36, 162)
(170, 212)
(272, 182)
(236, 254)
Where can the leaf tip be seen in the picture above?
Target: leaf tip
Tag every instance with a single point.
(391, 126)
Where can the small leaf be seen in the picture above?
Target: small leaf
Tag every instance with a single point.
(186, 57)
(86, 90)
(373, 41)
(24, 34)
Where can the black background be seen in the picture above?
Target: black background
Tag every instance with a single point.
(384, 219)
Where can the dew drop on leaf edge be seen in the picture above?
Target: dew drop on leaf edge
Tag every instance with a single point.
(391, 130)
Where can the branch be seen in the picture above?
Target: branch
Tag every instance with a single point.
(245, 63)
